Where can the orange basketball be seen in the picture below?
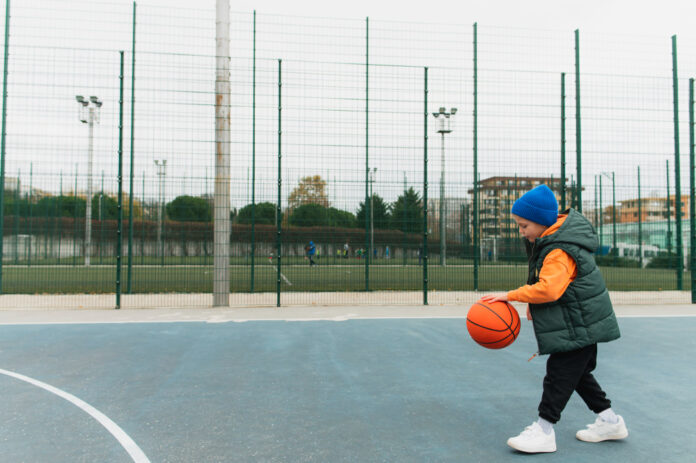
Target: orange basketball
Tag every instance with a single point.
(493, 324)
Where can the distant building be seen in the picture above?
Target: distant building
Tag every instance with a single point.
(652, 209)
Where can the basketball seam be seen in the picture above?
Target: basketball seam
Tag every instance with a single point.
(513, 319)
(487, 328)
(496, 313)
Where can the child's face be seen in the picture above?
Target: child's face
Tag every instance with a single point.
(528, 229)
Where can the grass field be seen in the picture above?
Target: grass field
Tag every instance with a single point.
(67, 279)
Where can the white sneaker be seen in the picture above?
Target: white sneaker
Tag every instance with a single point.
(602, 430)
(534, 440)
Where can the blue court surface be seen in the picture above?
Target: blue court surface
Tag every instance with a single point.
(390, 390)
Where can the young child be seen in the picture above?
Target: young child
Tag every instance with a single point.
(571, 312)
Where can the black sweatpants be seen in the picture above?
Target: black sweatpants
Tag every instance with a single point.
(567, 372)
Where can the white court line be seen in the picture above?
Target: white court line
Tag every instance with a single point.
(281, 274)
(126, 442)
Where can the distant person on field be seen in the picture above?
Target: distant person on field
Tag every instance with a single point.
(346, 248)
(311, 250)
(569, 306)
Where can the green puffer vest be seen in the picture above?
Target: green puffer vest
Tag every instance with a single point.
(584, 314)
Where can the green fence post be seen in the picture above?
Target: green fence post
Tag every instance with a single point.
(119, 242)
(59, 214)
(425, 190)
(2, 137)
(15, 222)
(132, 166)
(75, 231)
(601, 215)
(615, 249)
(101, 222)
(54, 214)
(477, 251)
(563, 144)
(578, 131)
(280, 157)
(640, 225)
(596, 215)
(692, 194)
(30, 197)
(142, 233)
(677, 170)
(253, 156)
(367, 154)
(669, 221)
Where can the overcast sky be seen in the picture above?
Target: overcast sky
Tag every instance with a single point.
(626, 85)
(624, 16)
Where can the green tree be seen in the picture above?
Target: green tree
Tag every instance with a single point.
(309, 215)
(109, 207)
(59, 206)
(264, 214)
(380, 214)
(16, 206)
(340, 218)
(189, 209)
(407, 212)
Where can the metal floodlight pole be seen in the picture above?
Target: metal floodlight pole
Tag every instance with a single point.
(445, 127)
(88, 203)
(89, 114)
(161, 173)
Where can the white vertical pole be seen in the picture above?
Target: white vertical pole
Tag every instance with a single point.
(88, 208)
(221, 280)
(443, 237)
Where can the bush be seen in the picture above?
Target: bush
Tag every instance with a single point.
(264, 214)
(189, 209)
(663, 261)
(309, 215)
(341, 219)
(608, 261)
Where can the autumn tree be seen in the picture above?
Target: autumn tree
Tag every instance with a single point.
(310, 190)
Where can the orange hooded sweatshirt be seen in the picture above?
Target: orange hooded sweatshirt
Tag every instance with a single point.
(557, 272)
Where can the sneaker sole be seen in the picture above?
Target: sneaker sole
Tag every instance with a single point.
(619, 436)
(548, 450)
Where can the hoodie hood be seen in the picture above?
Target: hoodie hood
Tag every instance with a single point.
(573, 229)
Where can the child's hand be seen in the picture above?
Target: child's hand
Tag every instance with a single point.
(495, 297)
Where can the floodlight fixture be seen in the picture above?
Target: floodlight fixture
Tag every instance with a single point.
(453, 111)
(96, 101)
(442, 110)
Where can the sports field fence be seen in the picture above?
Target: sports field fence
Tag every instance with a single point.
(395, 148)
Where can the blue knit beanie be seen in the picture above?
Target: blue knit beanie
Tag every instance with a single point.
(538, 205)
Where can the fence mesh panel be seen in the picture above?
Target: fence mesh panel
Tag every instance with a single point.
(345, 148)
